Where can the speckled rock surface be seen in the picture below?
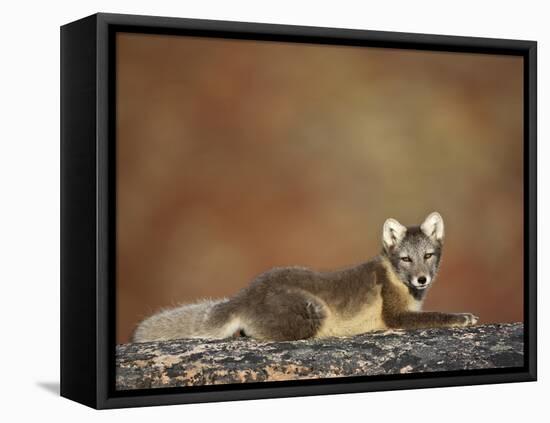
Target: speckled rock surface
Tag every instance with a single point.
(200, 362)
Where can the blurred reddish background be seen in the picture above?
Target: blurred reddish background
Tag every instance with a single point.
(237, 156)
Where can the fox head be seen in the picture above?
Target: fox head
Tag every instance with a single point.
(415, 251)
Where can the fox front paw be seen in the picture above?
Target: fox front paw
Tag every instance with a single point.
(468, 319)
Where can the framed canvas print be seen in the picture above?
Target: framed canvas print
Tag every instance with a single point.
(255, 211)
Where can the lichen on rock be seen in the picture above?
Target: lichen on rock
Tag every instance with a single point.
(195, 362)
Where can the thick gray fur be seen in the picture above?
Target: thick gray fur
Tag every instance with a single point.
(292, 303)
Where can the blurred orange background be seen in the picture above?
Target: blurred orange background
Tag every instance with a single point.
(236, 156)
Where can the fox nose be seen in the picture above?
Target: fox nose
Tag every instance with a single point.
(422, 280)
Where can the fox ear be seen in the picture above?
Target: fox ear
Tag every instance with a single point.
(393, 233)
(433, 226)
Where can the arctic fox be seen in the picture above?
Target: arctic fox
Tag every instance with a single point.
(292, 303)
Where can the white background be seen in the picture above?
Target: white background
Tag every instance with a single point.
(29, 211)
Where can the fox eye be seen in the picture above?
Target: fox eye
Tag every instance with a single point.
(407, 259)
(427, 256)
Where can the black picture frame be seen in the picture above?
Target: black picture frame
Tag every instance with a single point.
(88, 205)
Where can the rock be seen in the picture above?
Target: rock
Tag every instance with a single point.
(194, 362)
